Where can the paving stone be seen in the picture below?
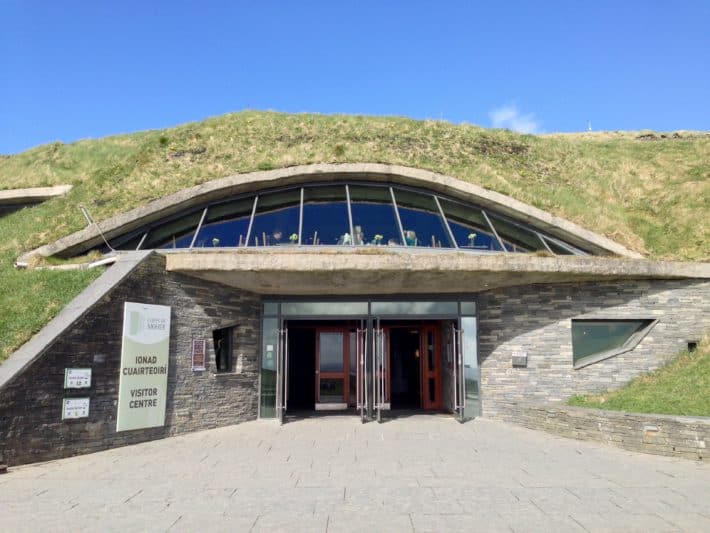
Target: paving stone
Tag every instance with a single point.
(236, 484)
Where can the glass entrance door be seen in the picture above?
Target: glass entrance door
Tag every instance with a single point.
(361, 373)
(430, 339)
(466, 373)
(282, 374)
(332, 368)
(380, 369)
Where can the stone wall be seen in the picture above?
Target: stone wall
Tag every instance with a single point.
(537, 319)
(676, 436)
(31, 428)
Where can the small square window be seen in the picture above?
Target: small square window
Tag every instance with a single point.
(223, 348)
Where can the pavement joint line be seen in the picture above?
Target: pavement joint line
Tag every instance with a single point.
(577, 522)
(133, 496)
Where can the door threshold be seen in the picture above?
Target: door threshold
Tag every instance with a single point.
(331, 406)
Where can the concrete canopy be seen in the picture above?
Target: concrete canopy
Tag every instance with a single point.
(367, 271)
(200, 195)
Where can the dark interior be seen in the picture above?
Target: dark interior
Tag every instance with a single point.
(405, 368)
(301, 368)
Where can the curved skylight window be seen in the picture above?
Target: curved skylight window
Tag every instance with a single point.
(344, 214)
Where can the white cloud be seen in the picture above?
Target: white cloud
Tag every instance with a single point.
(509, 117)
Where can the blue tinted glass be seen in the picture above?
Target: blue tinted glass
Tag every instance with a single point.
(469, 227)
(374, 219)
(325, 216)
(226, 224)
(421, 221)
(276, 219)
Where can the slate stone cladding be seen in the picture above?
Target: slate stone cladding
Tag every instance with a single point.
(31, 428)
(675, 436)
(537, 319)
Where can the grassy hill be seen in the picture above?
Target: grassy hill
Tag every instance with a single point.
(682, 387)
(647, 191)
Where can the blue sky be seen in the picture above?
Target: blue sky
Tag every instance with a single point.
(77, 69)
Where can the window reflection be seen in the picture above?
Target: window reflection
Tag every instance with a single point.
(325, 216)
(557, 248)
(177, 233)
(421, 221)
(469, 226)
(226, 224)
(516, 238)
(128, 243)
(276, 219)
(374, 219)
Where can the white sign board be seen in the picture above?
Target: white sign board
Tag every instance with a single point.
(77, 378)
(143, 386)
(75, 408)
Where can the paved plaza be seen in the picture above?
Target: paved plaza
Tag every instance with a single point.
(417, 473)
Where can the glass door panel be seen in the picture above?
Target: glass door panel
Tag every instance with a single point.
(352, 368)
(333, 369)
(380, 365)
(470, 372)
(431, 367)
(270, 339)
(281, 374)
(361, 372)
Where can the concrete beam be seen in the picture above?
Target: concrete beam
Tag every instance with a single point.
(34, 195)
(382, 270)
(204, 193)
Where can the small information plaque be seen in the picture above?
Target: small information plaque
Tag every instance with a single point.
(199, 347)
(77, 378)
(75, 408)
(520, 359)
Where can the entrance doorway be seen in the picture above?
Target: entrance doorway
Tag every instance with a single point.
(405, 365)
(376, 356)
(320, 372)
(414, 359)
(328, 362)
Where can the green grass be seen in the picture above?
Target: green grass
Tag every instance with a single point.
(649, 195)
(682, 387)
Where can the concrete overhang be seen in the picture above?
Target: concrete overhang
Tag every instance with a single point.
(11, 199)
(200, 195)
(339, 271)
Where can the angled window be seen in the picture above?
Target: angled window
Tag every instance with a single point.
(276, 219)
(470, 228)
(598, 339)
(177, 233)
(515, 237)
(225, 224)
(374, 217)
(421, 221)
